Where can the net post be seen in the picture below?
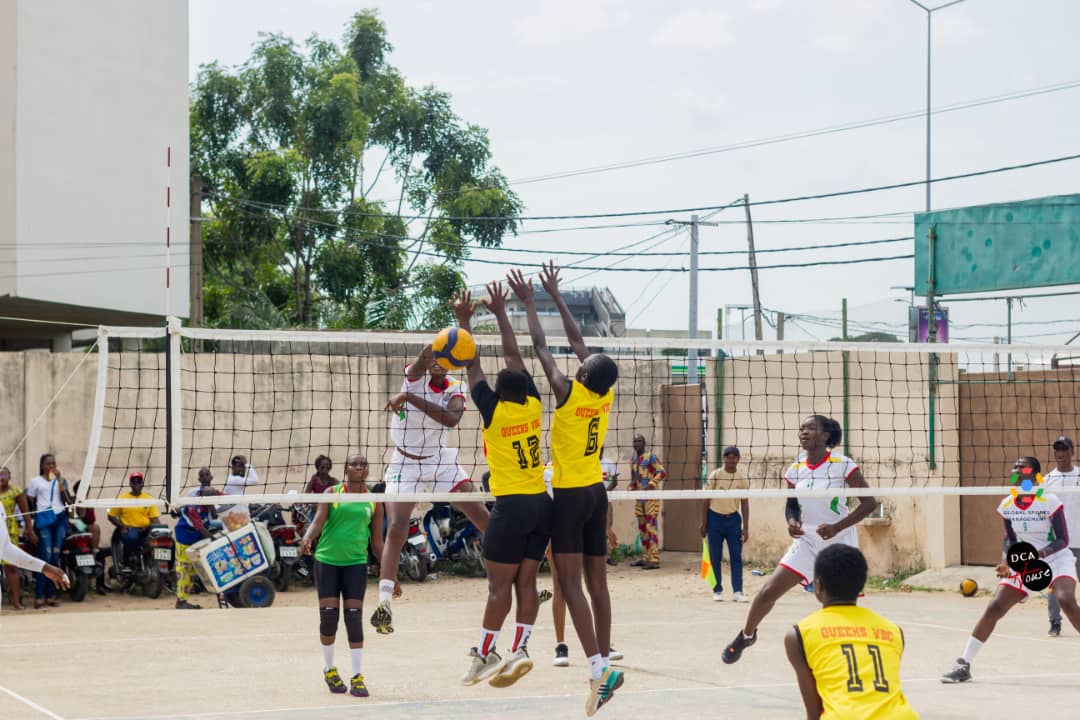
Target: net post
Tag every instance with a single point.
(173, 411)
(719, 364)
(844, 379)
(931, 337)
(99, 414)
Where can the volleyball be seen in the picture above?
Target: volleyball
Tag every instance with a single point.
(968, 587)
(453, 348)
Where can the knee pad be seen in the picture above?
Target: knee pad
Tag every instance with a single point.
(328, 621)
(354, 625)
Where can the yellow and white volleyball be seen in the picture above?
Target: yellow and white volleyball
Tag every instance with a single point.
(968, 587)
(453, 348)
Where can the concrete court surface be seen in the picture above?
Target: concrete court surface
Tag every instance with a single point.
(128, 658)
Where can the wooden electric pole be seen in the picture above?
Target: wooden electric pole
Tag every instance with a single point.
(753, 268)
(195, 276)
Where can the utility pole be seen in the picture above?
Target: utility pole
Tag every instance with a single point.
(753, 268)
(691, 360)
(779, 329)
(195, 271)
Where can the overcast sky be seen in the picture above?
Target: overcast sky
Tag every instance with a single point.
(565, 85)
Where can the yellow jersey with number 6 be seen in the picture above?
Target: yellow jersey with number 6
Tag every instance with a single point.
(854, 654)
(578, 428)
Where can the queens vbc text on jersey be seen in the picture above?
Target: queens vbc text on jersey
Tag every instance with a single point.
(578, 428)
(512, 445)
(854, 654)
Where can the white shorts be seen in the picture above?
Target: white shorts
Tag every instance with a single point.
(438, 473)
(1062, 564)
(800, 557)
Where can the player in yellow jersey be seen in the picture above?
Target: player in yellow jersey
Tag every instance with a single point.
(847, 658)
(579, 510)
(520, 522)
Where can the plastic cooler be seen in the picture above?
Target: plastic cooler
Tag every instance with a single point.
(227, 560)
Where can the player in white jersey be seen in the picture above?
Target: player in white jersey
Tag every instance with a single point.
(429, 404)
(813, 522)
(1036, 518)
(1064, 474)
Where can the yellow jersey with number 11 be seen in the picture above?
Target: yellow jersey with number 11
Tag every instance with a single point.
(578, 427)
(854, 654)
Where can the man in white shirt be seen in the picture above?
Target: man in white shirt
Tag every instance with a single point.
(429, 404)
(1064, 474)
(241, 476)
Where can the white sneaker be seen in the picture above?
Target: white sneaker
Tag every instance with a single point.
(481, 668)
(512, 669)
(718, 597)
(562, 655)
(740, 598)
(614, 655)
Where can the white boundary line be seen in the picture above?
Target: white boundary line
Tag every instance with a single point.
(31, 704)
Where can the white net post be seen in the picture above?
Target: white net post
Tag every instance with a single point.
(174, 424)
(99, 412)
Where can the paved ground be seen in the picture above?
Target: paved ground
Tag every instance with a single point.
(132, 658)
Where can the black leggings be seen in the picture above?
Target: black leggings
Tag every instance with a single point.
(346, 581)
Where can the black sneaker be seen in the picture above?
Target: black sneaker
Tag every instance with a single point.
(1055, 629)
(562, 656)
(735, 648)
(961, 672)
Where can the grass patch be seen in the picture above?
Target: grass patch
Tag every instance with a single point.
(897, 582)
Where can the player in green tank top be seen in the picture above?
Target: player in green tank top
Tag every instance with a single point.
(343, 530)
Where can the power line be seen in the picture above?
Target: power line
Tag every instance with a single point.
(829, 130)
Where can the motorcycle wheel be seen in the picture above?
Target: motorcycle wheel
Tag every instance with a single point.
(256, 592)
(118, 582)
(281, 582)
(79, 587)
(415, 567)
(153, 582)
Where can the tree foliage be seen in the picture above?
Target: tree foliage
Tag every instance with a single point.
(293, 144)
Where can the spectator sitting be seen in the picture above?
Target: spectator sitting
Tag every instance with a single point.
(132, 523)
(12, 498)
(50, 493)
(241, 475)
(322, 480)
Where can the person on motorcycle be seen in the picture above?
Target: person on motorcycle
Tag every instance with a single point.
(429, 404)
(520, 523)
(343, 530)
(132, 523)
(192, 526)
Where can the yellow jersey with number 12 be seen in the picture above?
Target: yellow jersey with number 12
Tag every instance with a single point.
(578, 428)
(854, 654)
(512, 445)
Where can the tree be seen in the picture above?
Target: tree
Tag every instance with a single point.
(291, 145)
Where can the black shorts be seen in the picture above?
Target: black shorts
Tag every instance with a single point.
(579, 520)
(519, 527)
(346, 581)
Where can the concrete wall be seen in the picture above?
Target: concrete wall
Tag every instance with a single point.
(96, 93)
(284, 409)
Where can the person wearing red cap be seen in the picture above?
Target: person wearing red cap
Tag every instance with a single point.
(1064, 474)
(132, 523)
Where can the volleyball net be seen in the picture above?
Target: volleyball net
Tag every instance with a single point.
(918, 419)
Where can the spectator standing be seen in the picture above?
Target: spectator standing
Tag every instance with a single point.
(50, 493)
(646, 473)
(1064, 474)
(722, 521)
(192, 526)
(13, 499)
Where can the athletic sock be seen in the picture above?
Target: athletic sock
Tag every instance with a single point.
(487, 641)
(606, 659)
(522, 632)
(327, 656)
(971, 649)
(357, 657)
(596, 666)
(747, 637)
(386, 591)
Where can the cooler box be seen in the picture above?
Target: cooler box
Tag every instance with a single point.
(226, 561)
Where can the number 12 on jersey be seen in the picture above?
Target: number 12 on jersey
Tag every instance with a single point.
(533, 442)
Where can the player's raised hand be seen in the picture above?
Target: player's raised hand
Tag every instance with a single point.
(522, 288)
(496, 299)
(549, 278)
(463, 306)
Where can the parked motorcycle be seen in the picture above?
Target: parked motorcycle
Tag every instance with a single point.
(148, 565)
(417, 559)
(286, 543)
(453, 538)
(77, 560)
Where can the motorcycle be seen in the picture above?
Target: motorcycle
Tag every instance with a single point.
(286, 543)
(417, 559)
(148, 565)
(453, 538)
(77, 561)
